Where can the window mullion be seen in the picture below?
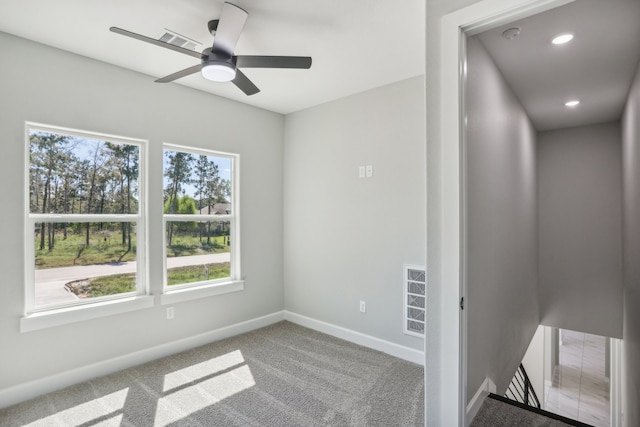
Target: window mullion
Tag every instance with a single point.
(85, 217)
(29, 268)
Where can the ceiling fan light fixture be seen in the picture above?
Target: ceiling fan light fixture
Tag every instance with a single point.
(219, 72)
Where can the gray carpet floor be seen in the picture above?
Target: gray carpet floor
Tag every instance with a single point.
(281, 375)
(494, 413)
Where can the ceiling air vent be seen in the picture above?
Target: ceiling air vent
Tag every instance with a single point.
(175, 39)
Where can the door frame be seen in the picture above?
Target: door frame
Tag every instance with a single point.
(455, 27)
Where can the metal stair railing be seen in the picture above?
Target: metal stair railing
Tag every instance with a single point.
(521, 389)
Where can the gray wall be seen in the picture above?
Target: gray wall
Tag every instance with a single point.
(579, 201)
(346, 238)
(631, 242)
(502, 251)
(81, 93)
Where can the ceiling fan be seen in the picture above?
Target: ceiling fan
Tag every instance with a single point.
(218, 62)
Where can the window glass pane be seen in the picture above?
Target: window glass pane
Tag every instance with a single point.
(79, 261)
(196, 184)
(73, 175)
(197, 251)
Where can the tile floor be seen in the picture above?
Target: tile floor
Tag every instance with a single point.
(580, 389)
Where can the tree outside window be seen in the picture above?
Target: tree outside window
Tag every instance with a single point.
(84, 217)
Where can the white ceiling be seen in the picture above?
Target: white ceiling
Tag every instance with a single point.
(597, 67)
(356, 45)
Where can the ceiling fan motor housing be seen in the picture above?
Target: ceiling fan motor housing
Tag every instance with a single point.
(219, 67)
(213, 26)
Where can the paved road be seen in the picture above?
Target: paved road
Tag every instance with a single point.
(50, 282)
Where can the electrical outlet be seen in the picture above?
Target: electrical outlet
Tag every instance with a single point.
(369, 171)
(170, 313)
(363, 306)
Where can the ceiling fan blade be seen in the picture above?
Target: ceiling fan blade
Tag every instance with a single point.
(250, 61)
(180, 74)
(156, 42)
(244, 84)
(231, 23)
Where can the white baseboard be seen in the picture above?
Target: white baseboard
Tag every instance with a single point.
(397, 350)
(29, 390)
(26, 391)
(475, 403)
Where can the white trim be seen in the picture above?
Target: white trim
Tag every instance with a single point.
(194, 150)
(453, 380)
(197, 292)
(25, 391)
(139, 219)
(615, 383)
(79, 313)
(487, 386)
(29, 390)
(235, 272)
(29, 249)
(396, 350)
(478, 17)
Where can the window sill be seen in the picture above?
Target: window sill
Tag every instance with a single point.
(64, 316)
(188, 294)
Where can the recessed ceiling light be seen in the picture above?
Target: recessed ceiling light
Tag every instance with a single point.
(572, 103)
(562, 38)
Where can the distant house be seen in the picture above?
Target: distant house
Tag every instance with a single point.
(219, 227)
(216, 209)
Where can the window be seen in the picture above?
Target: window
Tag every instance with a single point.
(200, 219)
(85, 218)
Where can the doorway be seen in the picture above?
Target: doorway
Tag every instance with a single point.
(455, 28)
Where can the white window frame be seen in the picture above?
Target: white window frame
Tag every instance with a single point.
(37, 317)
(189, 291)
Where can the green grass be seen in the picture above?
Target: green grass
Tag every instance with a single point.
(107, 248)
(122, 283)
(103, 286)
(190, 245)
(196, 273)
(103, 248)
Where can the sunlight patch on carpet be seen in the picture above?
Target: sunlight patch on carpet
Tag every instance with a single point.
(202, 370)
(211, 382)
(103, 410)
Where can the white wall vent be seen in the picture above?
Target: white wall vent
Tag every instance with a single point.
(177, 40)
(415, 299)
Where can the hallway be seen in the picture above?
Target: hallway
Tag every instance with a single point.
(580, 388)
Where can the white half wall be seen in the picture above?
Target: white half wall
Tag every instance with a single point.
(580, 203)
(347, 237)
(85, 94)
